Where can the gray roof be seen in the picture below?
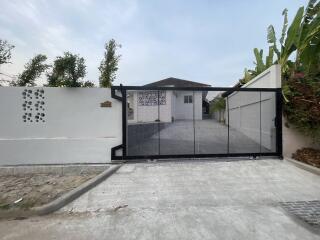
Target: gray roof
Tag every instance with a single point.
(176, 82)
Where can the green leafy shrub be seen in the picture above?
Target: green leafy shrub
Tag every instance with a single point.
(302, 108)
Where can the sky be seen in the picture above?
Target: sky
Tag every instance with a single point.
(204, 41)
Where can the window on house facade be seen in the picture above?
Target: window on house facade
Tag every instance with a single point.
(188, 99)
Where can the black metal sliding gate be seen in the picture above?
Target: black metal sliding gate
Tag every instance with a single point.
(198, 122)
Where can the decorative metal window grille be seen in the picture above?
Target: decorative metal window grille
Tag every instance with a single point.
(150, 98)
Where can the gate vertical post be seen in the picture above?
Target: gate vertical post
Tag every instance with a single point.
(159, 122)
(124, 121)
(278, 122)
(194, 125)
(228, 125)
(260, 124)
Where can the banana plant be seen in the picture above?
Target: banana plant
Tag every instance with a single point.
(269, 58)
(309, 44)
(271, 36)
(247, 76)
(260, 66)
(302, 36)
(259, 63)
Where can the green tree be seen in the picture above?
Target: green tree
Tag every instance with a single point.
(5, 55)
(109, 65)
(68, 71)
(33, 70)
(88, 84)
(219, 103)
(5, 52)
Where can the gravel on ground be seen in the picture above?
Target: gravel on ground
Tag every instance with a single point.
(30, 190)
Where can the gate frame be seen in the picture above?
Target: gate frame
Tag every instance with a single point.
(228, 90)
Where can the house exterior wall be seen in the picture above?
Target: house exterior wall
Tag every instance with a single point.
(152, 113)
(174, 108)
(132, 100)
(184, 111)
(74, 128)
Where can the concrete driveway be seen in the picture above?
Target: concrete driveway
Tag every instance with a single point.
(184, 200)
(205, 136)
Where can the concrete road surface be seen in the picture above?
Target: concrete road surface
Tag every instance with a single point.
(183, 200)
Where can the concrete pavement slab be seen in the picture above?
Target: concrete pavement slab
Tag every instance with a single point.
(183, 200)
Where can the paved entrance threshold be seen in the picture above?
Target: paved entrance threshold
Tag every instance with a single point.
(183, 200)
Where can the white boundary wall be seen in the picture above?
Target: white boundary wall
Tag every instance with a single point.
(71, 127)
(244, 108)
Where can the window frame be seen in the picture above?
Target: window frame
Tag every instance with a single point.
(187, 99)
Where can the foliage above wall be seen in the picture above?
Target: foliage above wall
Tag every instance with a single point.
(109, 65)
(218, 104)
(68, 71)
(298, 52)
(299, 44)
(303, 105)
(5, 56)
(33, 70)
(5, 51)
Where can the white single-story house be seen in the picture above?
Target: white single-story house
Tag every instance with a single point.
(144, 106)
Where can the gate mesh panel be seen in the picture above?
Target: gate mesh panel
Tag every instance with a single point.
(211, 130)
(179, 122)
(177, 134)
(268, 121)
(244, 122)
(142, 123)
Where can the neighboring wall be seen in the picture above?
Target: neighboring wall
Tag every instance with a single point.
(294, 139)
(66, 125)
(244, 108)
